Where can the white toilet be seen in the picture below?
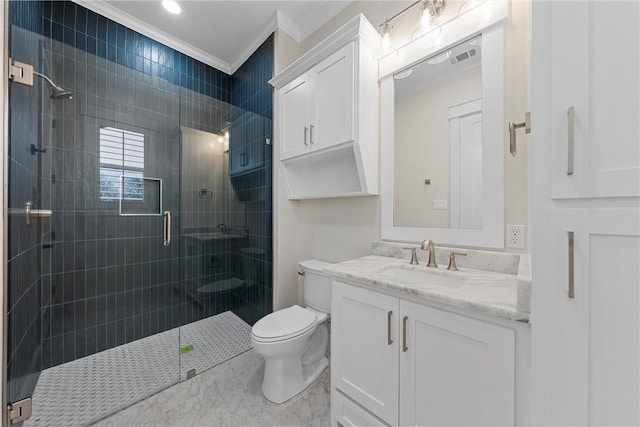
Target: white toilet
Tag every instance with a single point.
(294, 340)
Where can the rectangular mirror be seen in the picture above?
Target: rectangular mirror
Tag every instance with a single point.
(442, 165)
(438, 140)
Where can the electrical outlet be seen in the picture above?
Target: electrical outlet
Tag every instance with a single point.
(515, 236)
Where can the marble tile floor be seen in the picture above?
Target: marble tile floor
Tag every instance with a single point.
(228, 395)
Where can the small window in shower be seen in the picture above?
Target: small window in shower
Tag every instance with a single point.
(121, 165)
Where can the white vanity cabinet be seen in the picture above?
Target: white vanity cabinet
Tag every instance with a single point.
(405, 363)
(326, 116)
(317, 107)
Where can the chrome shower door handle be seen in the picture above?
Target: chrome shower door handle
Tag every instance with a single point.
(570, 139)
(166, 226)
(30, 213)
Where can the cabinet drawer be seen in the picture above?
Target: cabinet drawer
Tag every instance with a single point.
(346, 412)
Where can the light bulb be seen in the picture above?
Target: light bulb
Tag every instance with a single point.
(425, 18)
(172, 6)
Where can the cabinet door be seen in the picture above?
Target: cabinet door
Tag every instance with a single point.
(594, 71)
(333, 99)
(294, 114)
(364, 349)
(455, 370)
(591, 369)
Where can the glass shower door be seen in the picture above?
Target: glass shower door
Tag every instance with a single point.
(94, 302)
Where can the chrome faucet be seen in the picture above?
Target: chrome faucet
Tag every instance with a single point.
(222, 228)
(428, 245)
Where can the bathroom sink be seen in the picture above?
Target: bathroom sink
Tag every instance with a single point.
(409, 274)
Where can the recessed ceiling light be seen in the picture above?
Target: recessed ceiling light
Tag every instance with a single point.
(438, 59)
(171, 6)
(403, 74)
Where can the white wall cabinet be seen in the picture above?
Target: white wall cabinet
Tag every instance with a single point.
(327, 116)
(412, 364)
(594, 72)
(318, 108)
(586, 326)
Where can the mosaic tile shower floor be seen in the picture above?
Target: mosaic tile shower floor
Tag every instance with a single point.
(88, 389)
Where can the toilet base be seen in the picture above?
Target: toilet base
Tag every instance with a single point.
(281, 382)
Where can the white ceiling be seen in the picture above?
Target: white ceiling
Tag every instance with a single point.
(222, 34)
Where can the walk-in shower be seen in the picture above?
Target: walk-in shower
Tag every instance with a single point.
(118, 138)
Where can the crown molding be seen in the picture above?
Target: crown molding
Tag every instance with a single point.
(357, 27)
(117, 15)
(288, 26)
(319, 18)
(272, 24)
(278, 20)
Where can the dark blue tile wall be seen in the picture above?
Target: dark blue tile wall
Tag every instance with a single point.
(91, 296)
(76, 26)
(252, 93)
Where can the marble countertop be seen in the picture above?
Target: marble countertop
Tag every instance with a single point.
(488, 292)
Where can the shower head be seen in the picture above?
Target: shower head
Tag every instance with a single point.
(60, 93)
(57, 92)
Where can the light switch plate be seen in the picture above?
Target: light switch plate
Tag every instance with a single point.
(439, 205)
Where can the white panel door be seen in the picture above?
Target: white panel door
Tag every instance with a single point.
(364, 346)
(593, 338)
(294, 105)
(455, 370)
(333, 101)
(595, 64)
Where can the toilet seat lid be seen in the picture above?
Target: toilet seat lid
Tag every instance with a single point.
(283, 324)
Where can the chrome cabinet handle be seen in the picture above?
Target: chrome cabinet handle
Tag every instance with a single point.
(166, 217)
(404, 334)
(570, 138)
(311, 134)
(571, 292)
(389, 340)
(306, 129)
(30, 213)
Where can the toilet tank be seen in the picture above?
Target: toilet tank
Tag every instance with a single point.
(317, 285)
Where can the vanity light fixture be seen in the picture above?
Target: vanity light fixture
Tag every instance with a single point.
(386, 48)
(171, 6)
(428, 25)
(430, 10)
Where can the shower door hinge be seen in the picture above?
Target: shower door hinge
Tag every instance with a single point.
(19, 411)
(20, 72)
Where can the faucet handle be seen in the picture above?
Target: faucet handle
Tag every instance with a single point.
(452, 260)
(414, 256)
